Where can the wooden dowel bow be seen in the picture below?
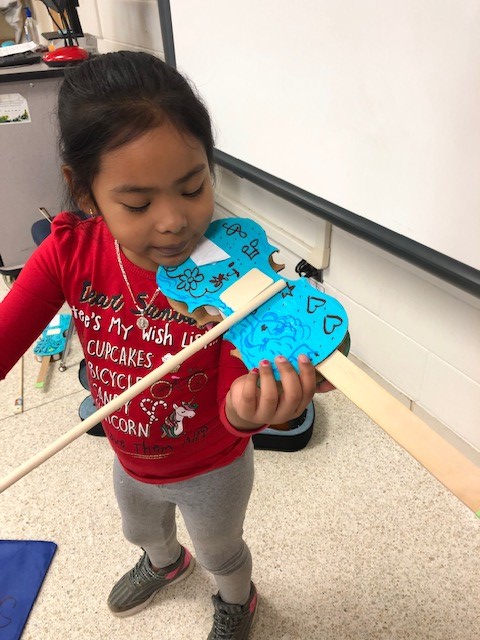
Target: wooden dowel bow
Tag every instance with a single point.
(152, 377)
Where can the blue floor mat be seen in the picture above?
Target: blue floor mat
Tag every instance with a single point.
(23, 566)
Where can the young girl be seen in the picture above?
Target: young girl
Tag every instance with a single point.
(137, 148)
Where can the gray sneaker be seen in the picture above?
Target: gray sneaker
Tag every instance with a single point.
(137, 588)
(233, 621)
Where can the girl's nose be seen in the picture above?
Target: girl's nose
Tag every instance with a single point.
(169, 218)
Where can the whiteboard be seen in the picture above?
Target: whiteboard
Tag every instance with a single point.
(372, 105)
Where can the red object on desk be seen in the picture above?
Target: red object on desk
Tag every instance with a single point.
(65, 55)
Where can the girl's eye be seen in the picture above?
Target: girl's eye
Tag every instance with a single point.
(136, 209)
(197, 192)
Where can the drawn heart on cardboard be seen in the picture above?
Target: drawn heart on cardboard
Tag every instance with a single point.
(315, 303)
(330, 323)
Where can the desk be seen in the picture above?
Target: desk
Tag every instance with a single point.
(30, 174)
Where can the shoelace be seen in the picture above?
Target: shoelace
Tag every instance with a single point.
(141, 573)
(224, 625)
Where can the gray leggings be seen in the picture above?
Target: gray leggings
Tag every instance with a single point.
(213, 507)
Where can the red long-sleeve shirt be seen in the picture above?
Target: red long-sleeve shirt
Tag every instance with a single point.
(170, 432)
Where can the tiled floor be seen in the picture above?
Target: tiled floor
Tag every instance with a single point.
(351, 538)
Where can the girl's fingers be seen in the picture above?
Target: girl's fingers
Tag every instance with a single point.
(297, 388)
(308, 376)
(262, 399)
(250, 394)
(292, 389)
(269, 392)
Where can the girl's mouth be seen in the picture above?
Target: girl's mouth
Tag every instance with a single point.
(171, 250)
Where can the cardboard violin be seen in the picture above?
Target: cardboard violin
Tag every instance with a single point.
(234, 262)
(230, 281)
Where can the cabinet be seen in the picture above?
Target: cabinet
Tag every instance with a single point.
(30, 175)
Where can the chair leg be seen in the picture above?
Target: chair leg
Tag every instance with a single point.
(19, 402)
(42, 374)
(9, 274)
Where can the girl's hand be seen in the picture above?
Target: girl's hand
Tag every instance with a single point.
(257, 398)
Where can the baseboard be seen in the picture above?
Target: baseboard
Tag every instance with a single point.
(468, 450)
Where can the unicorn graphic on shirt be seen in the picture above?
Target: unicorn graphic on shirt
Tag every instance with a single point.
(173, 425)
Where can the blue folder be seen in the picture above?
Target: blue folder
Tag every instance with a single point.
(23, 566)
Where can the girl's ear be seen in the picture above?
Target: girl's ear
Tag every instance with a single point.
(68, 176)
(84, 202)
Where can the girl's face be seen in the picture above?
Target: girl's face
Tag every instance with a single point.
(155, 194)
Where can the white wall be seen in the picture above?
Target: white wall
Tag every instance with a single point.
(418, 333)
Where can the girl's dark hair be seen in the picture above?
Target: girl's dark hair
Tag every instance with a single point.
(112, 99)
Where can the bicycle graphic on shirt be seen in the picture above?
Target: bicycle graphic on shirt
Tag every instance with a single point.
(195, 382)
